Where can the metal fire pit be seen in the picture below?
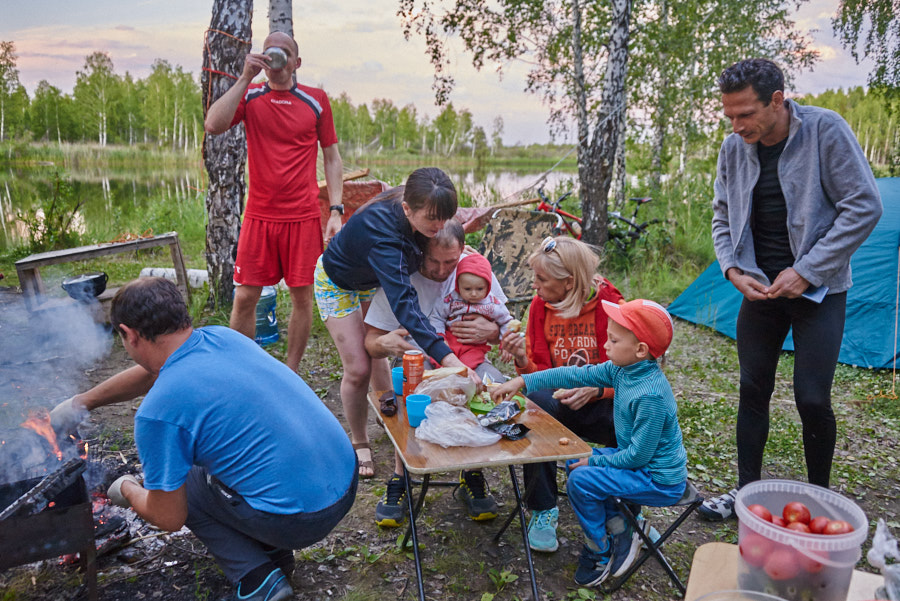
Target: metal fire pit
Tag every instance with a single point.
(66, 526)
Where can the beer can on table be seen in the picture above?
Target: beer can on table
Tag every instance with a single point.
(413, 368)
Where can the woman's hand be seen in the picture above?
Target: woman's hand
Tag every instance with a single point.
(514, 344)
(576, 398)
(506, 390)
(452, 360)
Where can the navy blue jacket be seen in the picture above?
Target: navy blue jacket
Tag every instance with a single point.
(377, 247)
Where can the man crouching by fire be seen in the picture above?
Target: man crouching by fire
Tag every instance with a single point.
(234, 445)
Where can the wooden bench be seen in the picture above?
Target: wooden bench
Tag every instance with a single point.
(29, 268)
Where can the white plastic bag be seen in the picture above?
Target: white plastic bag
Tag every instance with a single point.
(884, 548)
(451, 426)
(453, 389)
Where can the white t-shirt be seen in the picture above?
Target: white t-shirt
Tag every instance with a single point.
(381, 315)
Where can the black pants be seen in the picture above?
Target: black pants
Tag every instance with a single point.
(593, 422)
(762, 327)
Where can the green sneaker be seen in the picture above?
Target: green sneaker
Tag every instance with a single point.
(542, 530)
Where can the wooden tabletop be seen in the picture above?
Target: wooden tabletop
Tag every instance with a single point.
(715, 569)
(539, 445)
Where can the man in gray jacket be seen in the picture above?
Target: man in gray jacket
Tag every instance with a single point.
(794, 198)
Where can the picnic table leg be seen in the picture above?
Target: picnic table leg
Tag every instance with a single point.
(521, 511)
(181, 278)
(32, 287)
(413, 513)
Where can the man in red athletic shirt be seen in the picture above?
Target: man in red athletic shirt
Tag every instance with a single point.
(281, 233)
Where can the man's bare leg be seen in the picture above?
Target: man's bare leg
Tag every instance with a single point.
(299, 325)
(243, 310)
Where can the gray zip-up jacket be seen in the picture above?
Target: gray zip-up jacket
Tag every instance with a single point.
(832, 200)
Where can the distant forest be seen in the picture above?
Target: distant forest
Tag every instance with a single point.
(164, 110)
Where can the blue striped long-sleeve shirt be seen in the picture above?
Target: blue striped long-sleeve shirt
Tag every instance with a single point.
(644, 411)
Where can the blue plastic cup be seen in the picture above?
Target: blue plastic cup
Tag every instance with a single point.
(415, 408)
(397, 380)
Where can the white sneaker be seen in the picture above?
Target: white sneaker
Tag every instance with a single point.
(719, 508)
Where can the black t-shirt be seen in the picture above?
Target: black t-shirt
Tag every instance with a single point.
(768, 218)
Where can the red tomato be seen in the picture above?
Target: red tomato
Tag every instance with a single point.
(837, 527)
(799, 527)
(782, 564)
(761, 511)
(817, 524)
(809, 564)
(778, 521)
(795, 511)
(755, 549)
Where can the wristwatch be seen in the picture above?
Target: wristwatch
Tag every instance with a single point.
(338, 208)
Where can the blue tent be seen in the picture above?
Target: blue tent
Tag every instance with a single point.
(870, 331)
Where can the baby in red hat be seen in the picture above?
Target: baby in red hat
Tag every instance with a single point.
(649, 464)
(472, 296)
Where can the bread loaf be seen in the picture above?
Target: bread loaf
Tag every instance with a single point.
(443, 372)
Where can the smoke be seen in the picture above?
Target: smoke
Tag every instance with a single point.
(44, 354)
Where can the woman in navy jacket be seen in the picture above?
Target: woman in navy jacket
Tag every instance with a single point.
(380, 246)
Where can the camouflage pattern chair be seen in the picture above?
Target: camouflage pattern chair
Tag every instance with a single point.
(509, 238)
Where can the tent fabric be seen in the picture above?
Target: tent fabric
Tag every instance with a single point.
(870, 332)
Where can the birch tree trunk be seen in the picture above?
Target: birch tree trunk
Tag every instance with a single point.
(661, 119)
(281, 17)
(619, 184)
(224, 155)
(595, 167)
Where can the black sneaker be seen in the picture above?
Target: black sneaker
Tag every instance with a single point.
(625, 547)
(274, 588)
(719, 508)
(391, 510)
(593, 567)
(480, 504)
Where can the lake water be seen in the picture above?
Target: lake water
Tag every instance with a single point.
(108, 203)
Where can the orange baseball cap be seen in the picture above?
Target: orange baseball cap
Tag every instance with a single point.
(647, 320)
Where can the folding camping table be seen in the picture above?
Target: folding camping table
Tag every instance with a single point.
(424, 458)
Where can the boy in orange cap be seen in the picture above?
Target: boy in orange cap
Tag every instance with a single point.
(650, 464)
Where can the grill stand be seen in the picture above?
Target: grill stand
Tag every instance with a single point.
(51, 533)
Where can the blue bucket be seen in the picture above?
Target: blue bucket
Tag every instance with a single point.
(266, 320)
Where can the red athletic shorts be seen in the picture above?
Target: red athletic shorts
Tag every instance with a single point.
(271, 250)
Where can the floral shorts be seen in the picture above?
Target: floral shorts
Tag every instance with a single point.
(334, 301)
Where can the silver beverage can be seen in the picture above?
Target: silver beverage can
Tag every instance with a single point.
(277, 57)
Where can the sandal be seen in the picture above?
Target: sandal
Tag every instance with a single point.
(388, 403)
(364, 465)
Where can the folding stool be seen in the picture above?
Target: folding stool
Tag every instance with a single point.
(690, 501)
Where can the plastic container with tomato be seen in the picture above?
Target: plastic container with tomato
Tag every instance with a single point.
(796, 565)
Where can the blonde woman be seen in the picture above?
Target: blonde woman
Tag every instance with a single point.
(566, 326)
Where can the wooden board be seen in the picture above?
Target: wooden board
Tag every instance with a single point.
(715, 568)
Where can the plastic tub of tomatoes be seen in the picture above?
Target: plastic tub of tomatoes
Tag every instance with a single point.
(798, 541)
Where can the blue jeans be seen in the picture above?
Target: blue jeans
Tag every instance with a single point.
(591, 490)
(593, 422)
(239, 536)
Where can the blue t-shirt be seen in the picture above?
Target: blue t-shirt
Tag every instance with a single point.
(223, 403)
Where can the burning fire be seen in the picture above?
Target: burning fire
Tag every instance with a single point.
(39, 421)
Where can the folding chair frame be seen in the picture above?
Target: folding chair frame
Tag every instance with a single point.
(690, 502)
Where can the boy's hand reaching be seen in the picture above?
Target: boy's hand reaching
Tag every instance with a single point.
(580, 463)
(506, 390)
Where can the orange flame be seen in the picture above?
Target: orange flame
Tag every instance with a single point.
(39, 421)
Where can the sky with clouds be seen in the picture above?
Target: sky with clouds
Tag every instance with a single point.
(352, 46)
